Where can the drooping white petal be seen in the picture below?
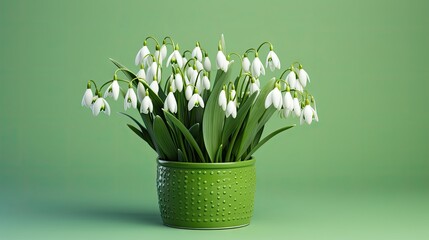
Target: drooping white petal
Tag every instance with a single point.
(178, 82)
(222, 100)
(200, 101)
(298, 86)
(231, 109)
(303, 77)
(245, 64)
(130, 99)
(199, 66)
(100, 105)
(192, 101)
(296, 107)
(257, 68)
(221, 61)
(141, 74)
(307, 113)
(188, 92)
(142, 55)
(106, 107)
(170, 103)
(87, 98)
(277, 98)
(163, 51)
(272, 61)
(146, 106)
(288, 101)
(291, 79)
(207, 64)
(197, 53)
(112, 90)
(269, 100)
(253, 88)
(141, 91)
(206, 82)
(154, 86)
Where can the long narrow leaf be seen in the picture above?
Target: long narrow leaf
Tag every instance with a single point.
(213, 118)
(163, 138)
(185, 133)
(263, 141)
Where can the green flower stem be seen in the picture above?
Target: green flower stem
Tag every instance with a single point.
(150, 37)
(171, 41)
(250, 50)
(284, 72)
(262, 44)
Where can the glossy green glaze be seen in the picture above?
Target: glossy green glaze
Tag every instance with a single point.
(206, 195)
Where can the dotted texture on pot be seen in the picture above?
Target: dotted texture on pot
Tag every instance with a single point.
(206, 198)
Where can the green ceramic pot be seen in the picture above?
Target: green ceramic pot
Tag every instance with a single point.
(206, 195)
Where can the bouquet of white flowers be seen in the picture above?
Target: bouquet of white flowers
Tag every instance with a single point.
(198, 116)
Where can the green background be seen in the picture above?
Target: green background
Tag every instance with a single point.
(362, 172)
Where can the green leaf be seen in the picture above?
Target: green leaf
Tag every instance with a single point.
(194, 130)
(219, 154)
(233, 124)
(185, 133)
(143, 130)
(181, 157)
(263, 141)
(214, 116)
(163, 138)
(143, 136)
(256, 113)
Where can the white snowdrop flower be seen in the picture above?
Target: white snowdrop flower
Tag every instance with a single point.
(170, 103)
(291, 79)
(187, 80)
(254, 88)
(189, 72)
(206, 82)
(199, 65)
(87, 98)
(151, 73)
(197, 53)
(141, 74)
(130, 100)
(232, 94)
(188, 92)
(141, 91)
(303, 76)
(113, 90)
(158, 57)
(274, 98)
(231, 109)
(194, 75)
(184, 60)
(178, 82)
(142, 54)
(288, 101)
(100, 105)
(221, 61)
(175, 55)
(207, 64)
(245, 64)
(257, 68)
(163, 51)
(222, 99)
(308, 113)
(147, 105)
(296, 107)
(298, 86)
(195, 100)
(286, 112)
(272, 61)
(154, 86)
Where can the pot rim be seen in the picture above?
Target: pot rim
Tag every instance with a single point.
(192, 165)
